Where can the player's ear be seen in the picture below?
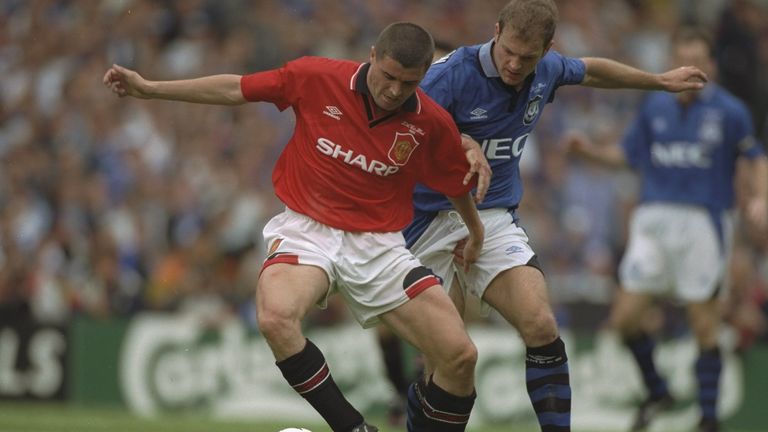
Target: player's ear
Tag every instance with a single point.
(373, 53)
(496, 33)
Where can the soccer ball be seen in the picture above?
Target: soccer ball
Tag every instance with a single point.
(294, 430)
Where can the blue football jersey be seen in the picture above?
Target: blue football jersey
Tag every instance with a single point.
(500, 118)
(687, 154)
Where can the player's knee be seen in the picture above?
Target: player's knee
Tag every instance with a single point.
(461, 362)
(276, 325)
(539, 328)
(706, 332)
(624, 325)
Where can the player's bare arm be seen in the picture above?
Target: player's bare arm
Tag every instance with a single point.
(215, 89)
(756, 205)
(579, 145)
(607, 73)
(478, 164)
(465, 206)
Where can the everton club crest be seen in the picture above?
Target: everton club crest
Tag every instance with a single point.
(531, 110)
(402, 148)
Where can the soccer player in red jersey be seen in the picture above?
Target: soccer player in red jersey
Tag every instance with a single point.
(364, 135)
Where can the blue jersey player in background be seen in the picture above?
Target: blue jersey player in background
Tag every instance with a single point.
(495, 93)
(686, 148)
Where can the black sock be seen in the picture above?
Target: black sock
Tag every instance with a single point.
(392, 350)
(432, 409)
(308, 374)
(708, 367)
(548, 382)
(642, 347)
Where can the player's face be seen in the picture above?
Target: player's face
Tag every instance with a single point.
(516, 58)
(390, 83)
(693, 53)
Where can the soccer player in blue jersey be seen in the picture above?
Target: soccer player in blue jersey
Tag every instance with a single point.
(495, 92)
(685, 148)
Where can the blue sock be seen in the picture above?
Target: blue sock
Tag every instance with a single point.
(642, 347)
(708, 367)
(432, 409)
(548, 383)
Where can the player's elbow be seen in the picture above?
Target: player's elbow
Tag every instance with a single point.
(234, 97)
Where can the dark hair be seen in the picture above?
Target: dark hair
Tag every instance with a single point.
(530, 19)
(688, 34)
(407, 43)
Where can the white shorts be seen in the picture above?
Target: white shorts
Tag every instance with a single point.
(505, 247)
(676, 250)
(373, 271)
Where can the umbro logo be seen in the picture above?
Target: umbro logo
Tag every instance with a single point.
(333, 112)
(478, 114)
(542, 359)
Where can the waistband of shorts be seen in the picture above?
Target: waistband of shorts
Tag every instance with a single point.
(288, 210)
(486, 215)
(487, 212)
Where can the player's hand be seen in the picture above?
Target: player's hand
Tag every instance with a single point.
(576, 144)
(684, 78)
(125, 82)
(478, 164)
(467, 252)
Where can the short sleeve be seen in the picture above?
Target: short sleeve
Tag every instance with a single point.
(277, 86)
(446, 165)
(744, 133)
(572, 70)
(438, 84)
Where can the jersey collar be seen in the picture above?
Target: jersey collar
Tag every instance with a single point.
(359, 84)
(486, 60)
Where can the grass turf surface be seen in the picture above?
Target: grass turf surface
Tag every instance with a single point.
(46, 417)
(32, 417)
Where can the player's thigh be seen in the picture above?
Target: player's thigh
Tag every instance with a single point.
(434, 248)
(520, 295)
(431, 323)
(645, 266)
(458, 296)
(295, 274)
(701, 273)
(506, 247)
(290, 290)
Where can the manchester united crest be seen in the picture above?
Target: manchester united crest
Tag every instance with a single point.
(402, 148)
(531, 110)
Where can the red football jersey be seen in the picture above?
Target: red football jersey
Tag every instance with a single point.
(344, 166)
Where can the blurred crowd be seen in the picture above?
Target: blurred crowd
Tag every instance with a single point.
(109, 207)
